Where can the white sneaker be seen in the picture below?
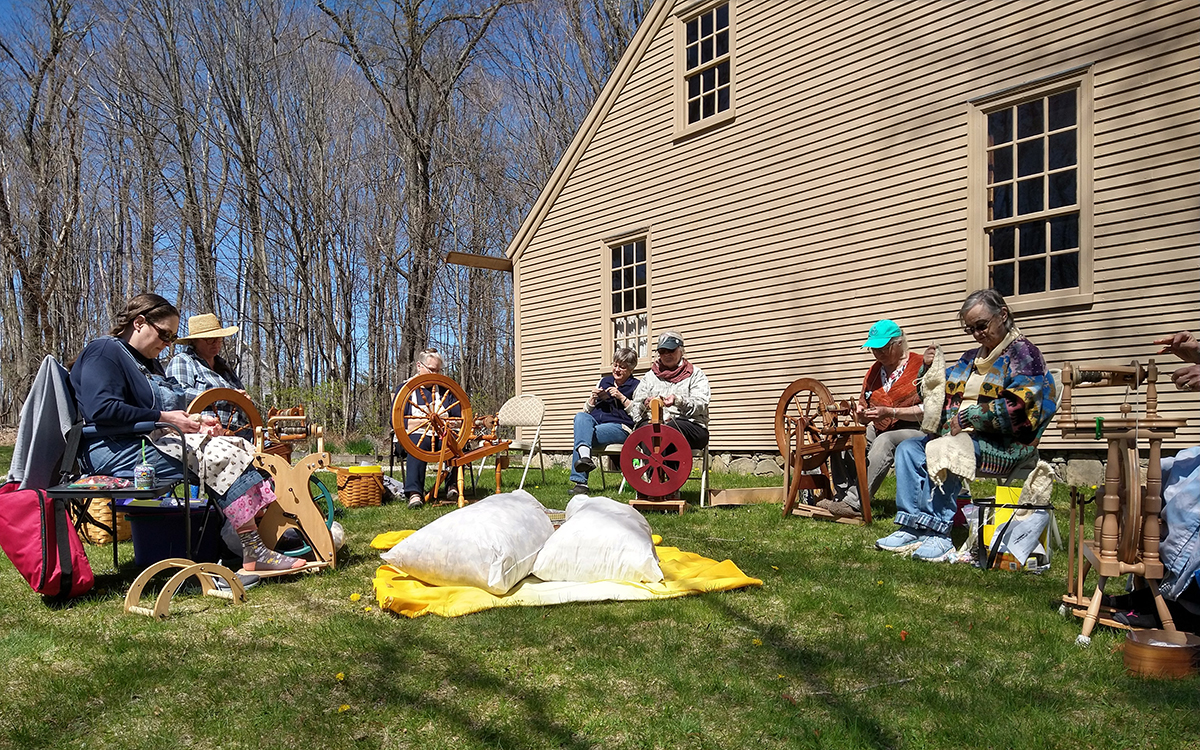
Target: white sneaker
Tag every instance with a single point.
(934, 548)
(899, 541)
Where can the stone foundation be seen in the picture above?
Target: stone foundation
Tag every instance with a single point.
(1080, 468)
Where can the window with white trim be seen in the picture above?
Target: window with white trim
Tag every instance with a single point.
(629, 296)
(1032, 238)
(706, 66)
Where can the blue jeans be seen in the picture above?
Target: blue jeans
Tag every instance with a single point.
(116, 457)
(590, 432)
(414, 470)
(920, 504)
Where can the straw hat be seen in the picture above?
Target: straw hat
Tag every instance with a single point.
(205, 326)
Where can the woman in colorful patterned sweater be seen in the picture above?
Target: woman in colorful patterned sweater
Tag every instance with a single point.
(1002, 396)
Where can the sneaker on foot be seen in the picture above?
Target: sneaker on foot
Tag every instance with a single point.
(934, 548)
(415, 500)
(900, 540)
(580, 489)
(585, 465)
(452, 494)
(1135, 619)
(248, 580)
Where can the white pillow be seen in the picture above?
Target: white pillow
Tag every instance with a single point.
(490, 545)
(601, 540)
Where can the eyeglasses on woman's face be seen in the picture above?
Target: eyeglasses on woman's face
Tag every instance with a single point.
(971, 330)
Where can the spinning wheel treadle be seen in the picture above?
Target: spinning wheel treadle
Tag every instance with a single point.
(665, 456)
(426, 406)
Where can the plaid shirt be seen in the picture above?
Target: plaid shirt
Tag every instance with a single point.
(194, 374)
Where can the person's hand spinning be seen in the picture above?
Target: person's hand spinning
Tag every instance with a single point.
(1183, 345)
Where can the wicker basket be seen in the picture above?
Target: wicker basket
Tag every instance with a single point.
(98, 510)
(360, 486)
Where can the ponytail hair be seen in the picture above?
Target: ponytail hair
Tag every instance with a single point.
(151, 306)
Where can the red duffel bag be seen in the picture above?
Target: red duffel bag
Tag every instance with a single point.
(38, 537)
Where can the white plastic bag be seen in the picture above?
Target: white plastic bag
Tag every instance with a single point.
(491, 544)
(601, 540)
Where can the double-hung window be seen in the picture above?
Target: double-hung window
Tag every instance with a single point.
(1031, 193)
(705, 65)
(629, 299)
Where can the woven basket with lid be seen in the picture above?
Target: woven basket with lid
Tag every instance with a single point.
(360, 486)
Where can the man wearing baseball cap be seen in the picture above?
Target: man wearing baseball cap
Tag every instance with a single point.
(683, 388)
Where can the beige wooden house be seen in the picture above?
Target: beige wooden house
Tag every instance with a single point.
(769, 177)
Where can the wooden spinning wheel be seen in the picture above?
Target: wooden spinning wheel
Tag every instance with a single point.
(810, 427)
(802, 415)
(432, 419)
(242, 415)
(295, 487)
(1127, 529)
(426, 408)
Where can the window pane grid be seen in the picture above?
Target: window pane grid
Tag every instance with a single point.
(629, 318)
(707, 63)
(1032, 216)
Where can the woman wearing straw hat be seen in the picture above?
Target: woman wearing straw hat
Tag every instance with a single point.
(198, 366)
(119, 382)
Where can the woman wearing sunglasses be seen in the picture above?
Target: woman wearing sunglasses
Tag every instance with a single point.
(119, 382)
(1001, 394)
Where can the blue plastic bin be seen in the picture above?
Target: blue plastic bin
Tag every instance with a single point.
(158, 528)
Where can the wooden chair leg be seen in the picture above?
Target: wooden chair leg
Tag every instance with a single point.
(858, 443)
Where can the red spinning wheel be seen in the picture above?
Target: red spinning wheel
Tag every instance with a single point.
(665, 460)
(426, 407)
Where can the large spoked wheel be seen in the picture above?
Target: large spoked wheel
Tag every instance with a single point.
(427, 406)
(1129, 536)
(804, 408)
(235, 411)
(656, 460)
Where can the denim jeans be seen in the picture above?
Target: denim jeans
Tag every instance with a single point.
(414, 469)
(920, 504)
(881, 451)
(590, 432)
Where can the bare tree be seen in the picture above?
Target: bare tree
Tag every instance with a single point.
(413, 53)
(41, 156)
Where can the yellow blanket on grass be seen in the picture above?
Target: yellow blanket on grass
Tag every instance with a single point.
(684, 573)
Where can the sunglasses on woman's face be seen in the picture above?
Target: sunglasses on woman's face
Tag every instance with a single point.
(167, 337)
(977, 328)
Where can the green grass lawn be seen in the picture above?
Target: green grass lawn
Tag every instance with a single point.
(843, 647)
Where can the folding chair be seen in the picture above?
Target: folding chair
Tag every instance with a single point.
(525, 410)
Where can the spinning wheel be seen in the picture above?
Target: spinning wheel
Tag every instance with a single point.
(656, 460)
(239, 408)
(802, 415)
(810, 427)
(296, 489)
(1127, 530)
(432, 419)
(428, 407)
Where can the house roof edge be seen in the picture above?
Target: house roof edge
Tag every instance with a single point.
(654, 20)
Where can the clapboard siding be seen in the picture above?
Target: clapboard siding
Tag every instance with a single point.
(838, 195)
